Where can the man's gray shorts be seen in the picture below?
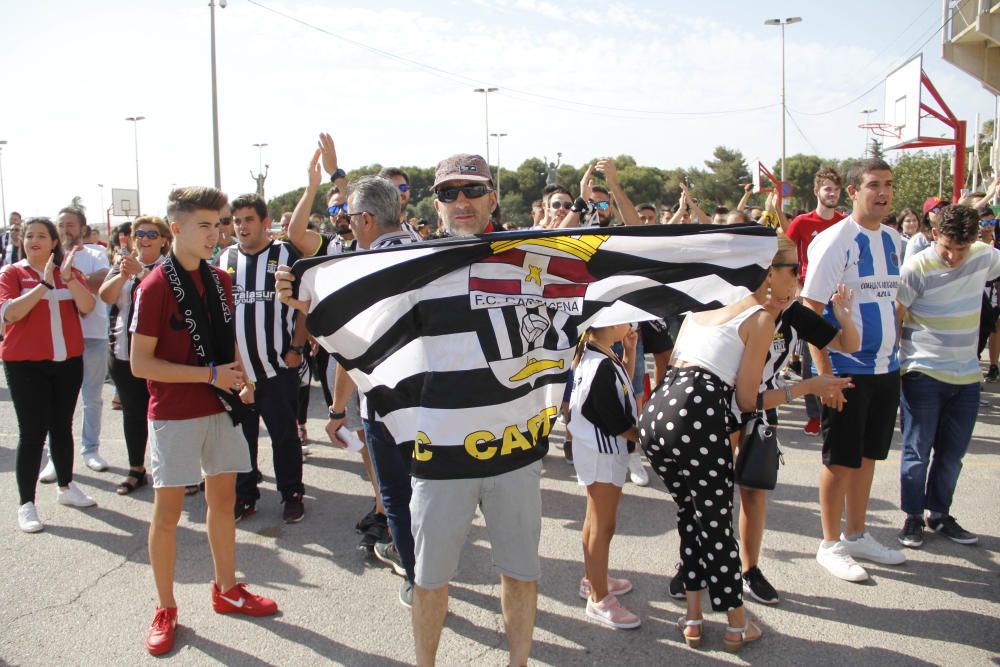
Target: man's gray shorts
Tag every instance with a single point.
(441, 513)
(182, 451)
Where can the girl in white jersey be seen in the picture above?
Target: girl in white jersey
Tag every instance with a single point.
(603, 413)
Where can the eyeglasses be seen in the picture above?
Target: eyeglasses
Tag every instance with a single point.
(150, 234)
(987, 223)
(337, 208)
(225, 222)
(795, 267)
(403, 187)
(351, 215)
(558, 204)
(448, 195)
(602, 205)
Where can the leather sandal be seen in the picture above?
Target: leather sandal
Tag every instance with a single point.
(683, 623)
(127, 487)
(734, 646)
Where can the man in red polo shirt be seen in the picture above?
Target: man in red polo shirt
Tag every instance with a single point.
(802, 230)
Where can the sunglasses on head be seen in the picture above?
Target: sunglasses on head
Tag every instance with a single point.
(337, 208)
(450, 194)
(602, 205)
(795, 267)
(150, 234)
(557, 204)
(403, 187)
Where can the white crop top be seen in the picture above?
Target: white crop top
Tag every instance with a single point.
(716, 348)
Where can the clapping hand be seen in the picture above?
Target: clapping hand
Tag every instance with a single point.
(66, 269)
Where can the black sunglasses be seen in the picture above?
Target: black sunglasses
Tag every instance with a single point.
(150, 234)
(448, 195)
(557, 204)
(795, 267)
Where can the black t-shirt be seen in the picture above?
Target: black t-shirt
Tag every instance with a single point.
(656, 336)
(603, 406)
(796, 323)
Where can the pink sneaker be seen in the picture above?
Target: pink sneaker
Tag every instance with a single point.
(615, 587)
(610, 612)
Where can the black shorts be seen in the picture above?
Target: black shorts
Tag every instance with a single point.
(865, 427)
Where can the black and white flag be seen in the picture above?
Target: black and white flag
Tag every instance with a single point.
(463, 345)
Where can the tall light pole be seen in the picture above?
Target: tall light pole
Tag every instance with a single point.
(498, 135)
(215, 99)
(3, 196)
(867, 113)
(135, 127)
(783, 23)
(486, 100)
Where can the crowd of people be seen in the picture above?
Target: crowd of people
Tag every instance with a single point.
(198, 319)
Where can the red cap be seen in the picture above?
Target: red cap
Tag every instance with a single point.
(932, 203)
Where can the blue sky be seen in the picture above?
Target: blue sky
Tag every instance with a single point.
(73, 71)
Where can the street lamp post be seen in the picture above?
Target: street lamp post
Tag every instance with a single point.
(486, 101)
(783, 23)
(215, 97)
(498, 135)
(135, 127)
(867, 113)
(3, 196)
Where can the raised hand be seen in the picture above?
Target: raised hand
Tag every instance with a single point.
(843, 300)
(587, 183)
(315, 175)
(130, 265)
(66, 269)
(329, 152)
(610, 170)
(50, 269)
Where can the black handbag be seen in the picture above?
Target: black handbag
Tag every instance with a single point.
(757, 463)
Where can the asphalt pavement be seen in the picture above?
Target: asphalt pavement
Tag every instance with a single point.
(81, 592)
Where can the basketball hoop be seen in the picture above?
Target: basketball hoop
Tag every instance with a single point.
(883, 129)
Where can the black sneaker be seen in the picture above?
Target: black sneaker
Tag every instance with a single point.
(244, 509)
(993, 374)
(756, 585)
(377, 532)
(912, 534)
(367, 521)
(795, 366)
(676, 588)
(294, 509)
(406, 594)
(947, 526)
(387, 553)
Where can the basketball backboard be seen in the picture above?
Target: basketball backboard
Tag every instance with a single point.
(902, 103)
(124, 201)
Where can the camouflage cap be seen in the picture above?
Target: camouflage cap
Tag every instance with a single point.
(462, 167)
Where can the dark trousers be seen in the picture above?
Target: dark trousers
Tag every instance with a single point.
(322, 363)
(392, 474)
(276, 400)
(44, 395)
(134, 396)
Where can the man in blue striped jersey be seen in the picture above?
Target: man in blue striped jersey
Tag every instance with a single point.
(864, 255)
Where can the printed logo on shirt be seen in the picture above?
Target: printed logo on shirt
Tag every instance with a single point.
(272, 265)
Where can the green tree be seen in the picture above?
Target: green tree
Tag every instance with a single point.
(918, 175)
(800, 171)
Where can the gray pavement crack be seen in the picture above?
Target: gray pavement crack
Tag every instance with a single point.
(126, 559)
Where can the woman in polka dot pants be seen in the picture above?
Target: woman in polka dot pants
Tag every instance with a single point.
(684, 431)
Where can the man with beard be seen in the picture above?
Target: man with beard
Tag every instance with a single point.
(802, 230)
(401, 180)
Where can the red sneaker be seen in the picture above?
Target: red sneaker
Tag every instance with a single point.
(238, 600)
(812, 427)
(160, 637)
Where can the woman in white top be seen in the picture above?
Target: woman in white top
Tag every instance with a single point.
(152, 241)
(684, 431)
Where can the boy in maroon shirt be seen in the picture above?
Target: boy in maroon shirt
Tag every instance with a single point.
(183, 343)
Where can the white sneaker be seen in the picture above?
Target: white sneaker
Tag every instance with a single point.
(839, 563)
(636, 471)
(867, 548)
(74, 497)
(48, 474)
(27, 518)
(95, 462)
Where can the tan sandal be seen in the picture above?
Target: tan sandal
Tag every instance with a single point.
(683, 623)
(733, 646)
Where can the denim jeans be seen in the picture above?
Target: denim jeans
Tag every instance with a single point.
(95, 370)
(392, 474)
(937, 417)
(276, 400)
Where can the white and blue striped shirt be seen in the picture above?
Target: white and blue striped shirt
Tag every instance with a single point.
(867, 261)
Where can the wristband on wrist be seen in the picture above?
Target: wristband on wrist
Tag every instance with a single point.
(214, 374)
(337, 415)
(338, 174)
(49, 285)
(296, 348)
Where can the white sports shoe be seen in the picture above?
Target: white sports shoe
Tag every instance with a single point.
(48, 474)
(74, 497)
(867, 547)
(27, 518)
(636, 471)
(839, 563)
(95, 462)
